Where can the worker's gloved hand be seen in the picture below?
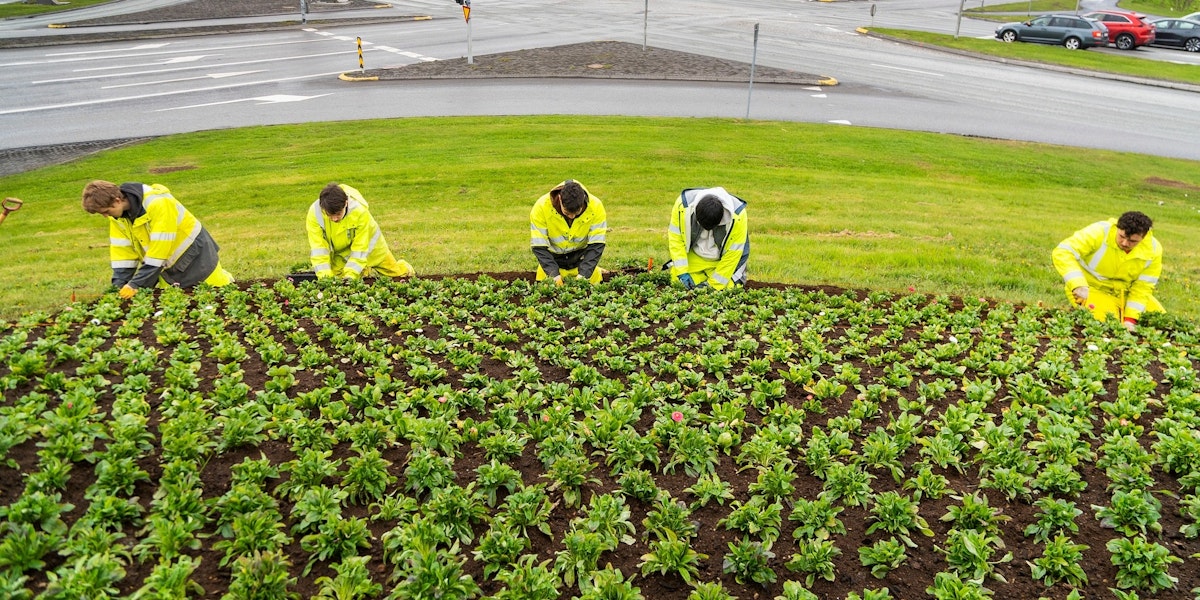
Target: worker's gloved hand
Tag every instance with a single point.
(558, 280)
(1130, 325)
(686, 280)
(127, 292)
(1081, 293)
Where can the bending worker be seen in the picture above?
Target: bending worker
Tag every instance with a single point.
(567, 232)
(708, 239)
(1111, 268)
(153, 239)
(344, 239)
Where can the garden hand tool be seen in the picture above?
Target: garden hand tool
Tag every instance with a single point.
(9, 205)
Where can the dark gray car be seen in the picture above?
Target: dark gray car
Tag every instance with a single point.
(1069, 30)
(1178, 33)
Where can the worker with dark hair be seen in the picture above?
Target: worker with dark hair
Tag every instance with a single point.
(153, 239)
(567, 233)
(708, 239)
(1112, 267)
(344, 239)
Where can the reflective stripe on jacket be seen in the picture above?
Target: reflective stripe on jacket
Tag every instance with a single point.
(347, 247)
(735, 245)
(1092, 258)
(164, 239)
(549, 229)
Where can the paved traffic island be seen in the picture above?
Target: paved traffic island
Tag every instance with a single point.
(595, 60)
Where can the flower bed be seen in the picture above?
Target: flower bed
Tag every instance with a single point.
(497, 438)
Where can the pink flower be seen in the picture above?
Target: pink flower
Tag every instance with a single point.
(442, 399)
(912, 288)
(546, 418)
(677, 416)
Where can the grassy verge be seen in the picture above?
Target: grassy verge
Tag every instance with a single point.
(1036, 6)
(22, 9)
(1158, 9)
(1042, 6)
(1095, 61)
(854, 207)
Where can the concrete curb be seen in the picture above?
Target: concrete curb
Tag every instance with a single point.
(1174, 85)
(821, 81)
(150, 34)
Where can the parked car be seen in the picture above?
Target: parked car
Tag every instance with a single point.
(1192, 17)
(1126, 30)
(1071, 31)
(1179, 33)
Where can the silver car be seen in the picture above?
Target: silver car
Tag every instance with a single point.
(1071, 31)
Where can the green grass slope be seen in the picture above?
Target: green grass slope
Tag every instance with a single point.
(833, 205)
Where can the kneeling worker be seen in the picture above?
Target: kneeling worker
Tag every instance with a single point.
(708, 239)
(1111, 268)
(153, 239)
(567, 232)
(344, 239)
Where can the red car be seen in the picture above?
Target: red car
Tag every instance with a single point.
(1126, 30)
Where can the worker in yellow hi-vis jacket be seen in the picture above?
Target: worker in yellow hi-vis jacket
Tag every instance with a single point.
(1111, 268)
(345, 241)
(568, 230)
(153, 239)
(709, 239)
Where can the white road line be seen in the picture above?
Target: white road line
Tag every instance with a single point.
(177, 80)
(31, 109)
(365, 43)
(260, 99)
(108, 50)
(76, 56)
(191, 68)
(908, 70)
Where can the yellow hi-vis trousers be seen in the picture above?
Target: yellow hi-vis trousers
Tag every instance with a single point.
(1102, 304)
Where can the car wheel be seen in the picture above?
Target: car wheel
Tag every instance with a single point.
(1072, 43)
(1192, 45)
(1124, 42)
(1009, 36)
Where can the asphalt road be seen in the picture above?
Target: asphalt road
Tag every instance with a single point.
(121, 89)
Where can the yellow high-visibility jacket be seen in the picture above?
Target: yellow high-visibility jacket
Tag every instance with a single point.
(1092, 258)
(347, 247)
(158, 237)
(733, 241)
(549, 229)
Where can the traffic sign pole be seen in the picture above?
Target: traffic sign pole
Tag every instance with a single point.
(466, 4)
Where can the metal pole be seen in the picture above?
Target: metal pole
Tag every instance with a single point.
(753, 60)
(470, 57)
(958, 25)
(645, 19)
(360, 61)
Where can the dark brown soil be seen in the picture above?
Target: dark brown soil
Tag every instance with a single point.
(907, 581)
